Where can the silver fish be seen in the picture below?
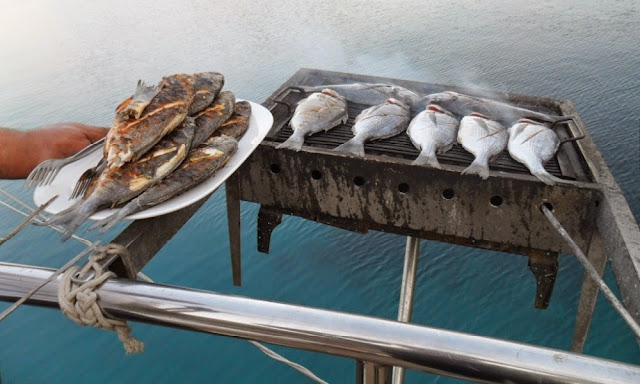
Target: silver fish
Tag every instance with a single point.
(484, 138)
(368, 93)
(432, 130)
(465, 105)
(319, 112)
(377, 122)
(533, 144)
(202, 162)
(118, 185)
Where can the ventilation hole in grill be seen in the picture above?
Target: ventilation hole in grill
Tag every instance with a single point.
(448, 194)
(597, 203)
(496, 201)
(316, 175)
(403, 187)
(275, 168)
(549, 206)
(359, 181)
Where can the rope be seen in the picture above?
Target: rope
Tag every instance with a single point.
(592, 271)
(79, 301)
(290, 363)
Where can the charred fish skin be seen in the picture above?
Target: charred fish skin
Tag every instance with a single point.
(533, 144)
(377, 122)
(320, 111)
(118, 185)
(432, 131)
(238, 123)
(464, 105)
(130, 138)
(484, 138)
(212, 117)
(207, 86)
(201, 163)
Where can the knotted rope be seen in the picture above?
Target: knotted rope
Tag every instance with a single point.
(79, 301)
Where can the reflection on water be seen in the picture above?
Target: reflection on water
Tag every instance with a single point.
(75, 61)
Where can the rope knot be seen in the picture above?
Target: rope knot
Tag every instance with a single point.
(79, 301)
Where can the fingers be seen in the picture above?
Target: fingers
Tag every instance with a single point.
(94, 133)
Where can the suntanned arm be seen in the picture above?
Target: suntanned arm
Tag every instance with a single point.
(21, 151)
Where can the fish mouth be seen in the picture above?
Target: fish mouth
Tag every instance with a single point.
(435, 108)
(527, 121)
(330, 92)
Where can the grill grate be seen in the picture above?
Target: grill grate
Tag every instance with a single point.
(399, 146)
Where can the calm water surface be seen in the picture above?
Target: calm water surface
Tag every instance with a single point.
(76, 60)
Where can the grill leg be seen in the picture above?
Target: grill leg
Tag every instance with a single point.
(589, 293)
(268, 220)
(232, 188)
(544, 266)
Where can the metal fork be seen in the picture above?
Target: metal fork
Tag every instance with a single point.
(86, 178)
(46, 171)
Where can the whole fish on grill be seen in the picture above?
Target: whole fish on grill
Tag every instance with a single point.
(212, 117)
(432, 131)
(377, 122)
(130, 137)
(118, 185)
(320, 111)
(533, 144)
(238, 123)
(202, 162)
(368, 93)
(484, 138)
(465, 105)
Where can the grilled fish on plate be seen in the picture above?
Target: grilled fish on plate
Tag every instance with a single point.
(118, 185)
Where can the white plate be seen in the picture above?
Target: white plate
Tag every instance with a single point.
(259, 125)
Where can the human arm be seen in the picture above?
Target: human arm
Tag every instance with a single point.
(21, 151)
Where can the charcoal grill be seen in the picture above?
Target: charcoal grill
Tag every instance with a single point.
(384, 192)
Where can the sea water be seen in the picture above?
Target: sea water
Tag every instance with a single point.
(77, 60)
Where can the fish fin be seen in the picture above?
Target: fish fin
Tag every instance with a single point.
(351, 146)
(442, 150)
(545, 177)
(429, 159)
(477, 168)
(141, 98)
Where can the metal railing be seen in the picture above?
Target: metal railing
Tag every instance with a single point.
(378, 343)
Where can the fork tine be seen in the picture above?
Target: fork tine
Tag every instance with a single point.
(38, 176)
(52, 175)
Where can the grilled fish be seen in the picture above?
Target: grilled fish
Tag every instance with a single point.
(130, 137)
(118, 185)
(484, 138)
(377, 122)
(465, 105)
(207, 86)
(213, 116)
(320, 111)
(432, 130)
(238, 123)
(533, 144)
(202, 162)
(368, 93)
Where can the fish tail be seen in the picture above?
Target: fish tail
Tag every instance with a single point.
(109, 221)
(352, 146)
(71, 218)
(294, 142)
(428, 159)
(479, 168)
(545, 177)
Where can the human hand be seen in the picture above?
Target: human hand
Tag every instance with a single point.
(24, 150)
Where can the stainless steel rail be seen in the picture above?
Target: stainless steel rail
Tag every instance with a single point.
(369, 339)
